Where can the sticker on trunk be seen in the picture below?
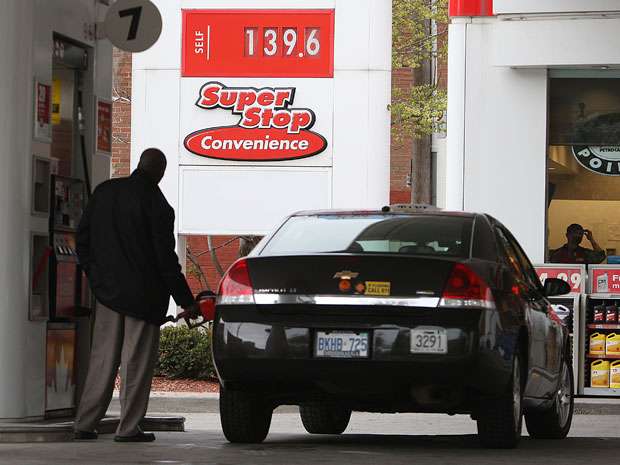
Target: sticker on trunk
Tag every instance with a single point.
(378, 288)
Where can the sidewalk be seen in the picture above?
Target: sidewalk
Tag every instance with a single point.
(166, 410)
(198, 402)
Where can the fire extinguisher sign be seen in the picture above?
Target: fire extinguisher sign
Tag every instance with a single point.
(258, 43)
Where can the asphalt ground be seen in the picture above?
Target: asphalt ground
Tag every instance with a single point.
(370, 439)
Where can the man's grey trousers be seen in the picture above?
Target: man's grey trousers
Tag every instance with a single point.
(132, 343)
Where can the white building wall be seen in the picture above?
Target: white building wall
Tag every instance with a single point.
(497, 109)
(26, 47)
(215, 197)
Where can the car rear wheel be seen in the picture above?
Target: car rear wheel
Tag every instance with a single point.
(245, 416)
(500, 419)
(555, 422)
(324, 417)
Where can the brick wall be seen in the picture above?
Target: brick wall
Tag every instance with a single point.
(121, 113)
(226, 248)
(400, 150)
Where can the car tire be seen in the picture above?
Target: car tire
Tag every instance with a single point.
(245, 416)
(555, 422)
(324, 417)
(500, 419)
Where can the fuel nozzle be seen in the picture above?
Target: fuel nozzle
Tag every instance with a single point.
(206, 304)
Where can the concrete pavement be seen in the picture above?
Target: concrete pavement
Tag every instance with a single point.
(370, 439)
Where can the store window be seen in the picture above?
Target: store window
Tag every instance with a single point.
(583, 164)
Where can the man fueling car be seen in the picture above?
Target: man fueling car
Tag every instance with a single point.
(125, 244)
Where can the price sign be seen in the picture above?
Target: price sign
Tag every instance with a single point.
(258, 43)
(573, 275)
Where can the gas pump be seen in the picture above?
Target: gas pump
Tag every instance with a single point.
(69, 295)
(68, 328)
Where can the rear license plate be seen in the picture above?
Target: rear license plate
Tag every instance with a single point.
(341, 344)
(429, 340)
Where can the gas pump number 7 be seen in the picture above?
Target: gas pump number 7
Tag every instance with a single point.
(272, 41)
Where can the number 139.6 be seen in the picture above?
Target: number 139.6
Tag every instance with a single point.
(281, 42)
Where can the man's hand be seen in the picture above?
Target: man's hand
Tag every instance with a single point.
(590, 237)
(193, 311)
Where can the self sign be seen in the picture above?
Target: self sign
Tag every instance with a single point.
(258, 43)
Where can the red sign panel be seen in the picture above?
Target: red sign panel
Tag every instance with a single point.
(44, 98)
(268, 129)
(471, 8)
(104, 126)
(258, 43)
(42, 110)
(605, 280)
(573, 275)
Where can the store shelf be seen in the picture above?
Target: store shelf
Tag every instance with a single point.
(603, 326)
(607, 356)
(601, 392)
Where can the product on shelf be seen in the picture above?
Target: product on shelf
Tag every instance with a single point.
(614, 375)
(612, 344)
(597, 344)
(602, 283)
(611, 314)
(599, 314)
(599, 374)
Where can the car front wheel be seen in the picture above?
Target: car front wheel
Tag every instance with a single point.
(245, 416)
(500, 419)
(324, 417)
(555, 422)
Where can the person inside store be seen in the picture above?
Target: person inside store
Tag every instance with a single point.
(572, 252)
(126, 246)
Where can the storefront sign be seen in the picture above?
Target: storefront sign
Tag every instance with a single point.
(269, 128)
(605, 280)
(573, 275)
(603, 160)
(258, 43)
(43, 112)
(104, 126)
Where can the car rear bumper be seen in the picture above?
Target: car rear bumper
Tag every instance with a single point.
(272, 350)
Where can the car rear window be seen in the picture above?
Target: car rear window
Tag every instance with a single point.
(391, 234)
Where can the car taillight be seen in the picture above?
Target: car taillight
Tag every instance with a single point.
(466, 289)
(236, 286)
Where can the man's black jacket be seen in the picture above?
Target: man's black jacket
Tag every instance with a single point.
(125, 243)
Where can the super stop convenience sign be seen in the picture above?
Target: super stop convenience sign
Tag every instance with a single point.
(258, 43)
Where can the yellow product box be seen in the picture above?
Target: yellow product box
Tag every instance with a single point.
(597, 344)
(614, 375)
(599, 374)
(612, 346)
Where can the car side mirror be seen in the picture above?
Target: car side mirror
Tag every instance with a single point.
(555, 286)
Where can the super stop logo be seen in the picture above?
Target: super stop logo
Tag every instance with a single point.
(270, 128)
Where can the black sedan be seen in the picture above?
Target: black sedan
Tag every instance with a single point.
(407, 309)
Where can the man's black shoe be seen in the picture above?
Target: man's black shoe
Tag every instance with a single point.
(83, 435)
(140, 437)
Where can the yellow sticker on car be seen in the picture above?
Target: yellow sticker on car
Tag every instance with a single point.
(377, 288)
